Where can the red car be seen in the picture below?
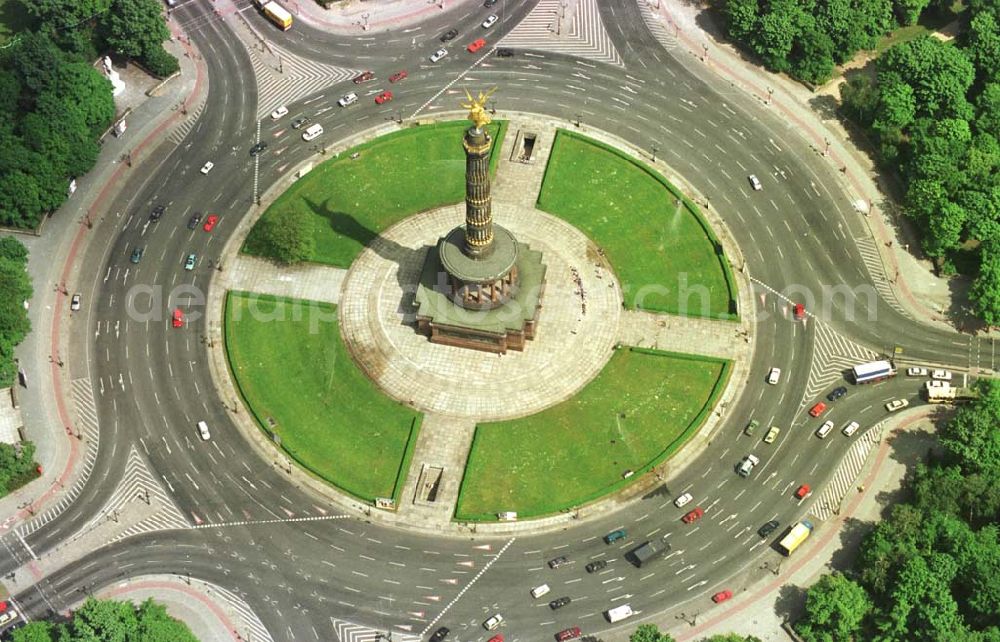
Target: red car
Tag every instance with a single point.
(694, 515)
(818, 409)
(178, 321)
(476, 45)
(568, 634)
(497, 638)
(722, 596)
(399, 75)
(384, 97)
(210, 222)
(799, 311)
(364, 76)
(803, 491)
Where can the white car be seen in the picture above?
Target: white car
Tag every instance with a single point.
(937, 384)
(438, 55)
(348, 99)
(773, 376)
(896, 404)
(489, 22)
(207, 167)
(851, 428)
(279, 112)
(203, 431)
(683, 500)
(825, 429)
(539, 591)
(755, 182)
(74, 303)
(941, 375)
(746, 466)
(493, 622)
(916, 372)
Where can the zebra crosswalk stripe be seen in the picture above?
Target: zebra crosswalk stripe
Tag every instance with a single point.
(350, 632)
(582, 35)
(656, 27)
(832, 355)
(846, 474)
(876, 271)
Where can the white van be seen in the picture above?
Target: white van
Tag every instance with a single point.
(203, 431)
(539, 591)
(312, 132)
(619, 613)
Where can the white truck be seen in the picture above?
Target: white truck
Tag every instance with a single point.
(619, 613)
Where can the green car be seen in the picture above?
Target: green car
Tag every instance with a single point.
(752, 426)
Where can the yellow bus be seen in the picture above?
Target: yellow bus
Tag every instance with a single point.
(275, 13)
(798, 534)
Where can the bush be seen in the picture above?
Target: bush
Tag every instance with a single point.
(285, 236)
(160, 63)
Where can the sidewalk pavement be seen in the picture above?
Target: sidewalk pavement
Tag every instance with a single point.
(927, 297)
(356, 17)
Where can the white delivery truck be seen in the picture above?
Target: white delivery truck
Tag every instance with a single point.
(619, 613)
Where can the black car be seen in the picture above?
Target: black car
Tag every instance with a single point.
(157, 213)
(768, 528)
(559, 603)
(299, 122)
(194, 220)
(557, 562)
(258, 148)
(449, 35)
(503, 52)
(440, 634)
(137, 254)
(595, 566)
(837, 393)
(489, 3)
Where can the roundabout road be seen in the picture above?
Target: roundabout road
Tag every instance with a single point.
(306, 566)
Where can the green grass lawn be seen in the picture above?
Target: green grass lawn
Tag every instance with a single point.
(300, 382)
(352, 201)
(578, 450)
(664, 257)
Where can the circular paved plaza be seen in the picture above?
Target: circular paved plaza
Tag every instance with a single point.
(577, 327)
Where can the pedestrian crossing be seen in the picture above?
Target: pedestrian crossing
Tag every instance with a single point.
(833, 355)
(282, 76)
(845, 477)
(350, 632)
(876, 271)
(570, 28)
(138, 485)
(654, 23)
(89, 434)
(180, 132)
(249, 621)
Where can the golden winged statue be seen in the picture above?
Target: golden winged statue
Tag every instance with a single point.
(476, 107)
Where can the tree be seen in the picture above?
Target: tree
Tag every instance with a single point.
(90, 92)
(835, 609)
(971, 436)
(13, 250)
(732, 637)
(135, 27)
(895, 109)
(63, 14)
(37, 631)
(982, 45)
(777, 31)
(909, 10)
(742, 17)
(812, 56)
(649, 633)
(284, 236)
(853, 24)
(945, 230)
(939, 74)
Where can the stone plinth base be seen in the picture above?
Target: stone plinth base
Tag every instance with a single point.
(498, 329)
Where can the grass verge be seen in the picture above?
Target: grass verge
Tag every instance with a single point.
(578, 450)
(351, 201)
(666, 256)
(308, 396)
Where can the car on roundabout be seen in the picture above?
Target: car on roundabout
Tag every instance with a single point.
(194, 220)
(493, 622)
(693, 515)
(399, 75)
(837, 393)
(440, 634)
(496, 638)
(137, 254)
(803, 491)
(751, 427)
(448, 35)
(825, 429)
(896, 404)
(682, 501)
(774, 376)
(438, 55)
(157, 212)
(279, 112)
(74, 304)
(364, 76)
(614, 536)
(768, 528)
(258, 148)
(178, 318)
(383, 98)
(299, 122)
(555, 563)
(490, 21)
(569, 634)
(941, 375)
(207, 167)
(917, 372)
(190, 261)
(818, 409)
(476, 45)
(851, 428)
(210, 222)
(755, 182)
(559, 602)
(771, 435)
(596, 565)
(746, 466)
